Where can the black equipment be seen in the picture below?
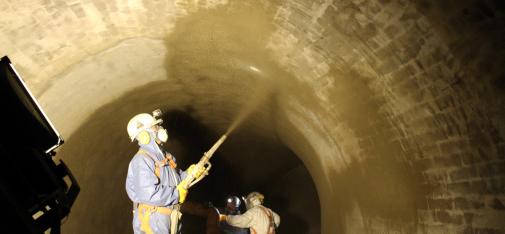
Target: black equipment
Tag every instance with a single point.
(36, 191)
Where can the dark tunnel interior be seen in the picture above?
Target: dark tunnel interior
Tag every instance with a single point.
(189, 139)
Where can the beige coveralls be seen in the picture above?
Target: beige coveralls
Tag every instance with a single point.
(259, 219)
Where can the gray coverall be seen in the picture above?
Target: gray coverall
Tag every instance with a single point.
(143, 186)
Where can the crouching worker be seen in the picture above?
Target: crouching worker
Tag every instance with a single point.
(153, 178)
(258, 218)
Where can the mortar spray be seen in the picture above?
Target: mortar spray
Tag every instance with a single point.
(260, 94)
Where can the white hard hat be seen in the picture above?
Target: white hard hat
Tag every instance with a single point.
(142, 122)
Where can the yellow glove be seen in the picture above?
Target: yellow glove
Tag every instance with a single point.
(182, 191)
(222, 218)
(192, 170)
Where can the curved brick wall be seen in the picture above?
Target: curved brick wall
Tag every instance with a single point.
(394, 107)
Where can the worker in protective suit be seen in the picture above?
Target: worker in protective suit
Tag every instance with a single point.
(153, 180)
(232, 207)
(258, 218)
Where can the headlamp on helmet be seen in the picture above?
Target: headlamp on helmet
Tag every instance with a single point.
(143, 122)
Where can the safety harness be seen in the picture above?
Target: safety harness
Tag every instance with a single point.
(159, 164)
(145, 210)
(271, 222)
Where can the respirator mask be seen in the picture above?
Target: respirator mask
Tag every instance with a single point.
(162, 134)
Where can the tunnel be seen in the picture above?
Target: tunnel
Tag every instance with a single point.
(352, 116)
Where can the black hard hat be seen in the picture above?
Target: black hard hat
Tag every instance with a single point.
(234, 200)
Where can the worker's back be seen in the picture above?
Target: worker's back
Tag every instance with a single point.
(259, 219)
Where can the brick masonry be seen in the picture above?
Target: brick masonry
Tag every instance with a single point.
(409, 92)
(433, 71)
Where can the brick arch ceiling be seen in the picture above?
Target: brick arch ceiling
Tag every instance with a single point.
(394, 107)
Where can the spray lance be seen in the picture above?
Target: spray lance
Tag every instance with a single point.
(201, 169)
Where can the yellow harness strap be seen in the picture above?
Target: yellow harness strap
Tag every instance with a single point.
(145, 212)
